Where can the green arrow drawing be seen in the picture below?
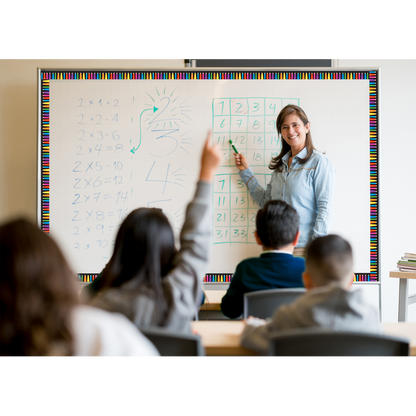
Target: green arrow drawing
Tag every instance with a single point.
(140, 122)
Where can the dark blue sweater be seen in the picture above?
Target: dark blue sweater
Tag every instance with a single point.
(269, 271)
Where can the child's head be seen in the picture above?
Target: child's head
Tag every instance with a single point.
(329, 260)
(143, 253)
(144, 248)
(277, 225)
(37, 292)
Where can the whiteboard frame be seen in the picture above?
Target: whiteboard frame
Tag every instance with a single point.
(43, 194)
(39, 152)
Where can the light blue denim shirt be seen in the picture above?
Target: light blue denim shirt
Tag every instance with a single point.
(308, 188)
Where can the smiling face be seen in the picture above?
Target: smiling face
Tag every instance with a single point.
(294, 131)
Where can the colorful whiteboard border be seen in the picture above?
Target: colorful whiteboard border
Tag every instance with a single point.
(370, 75)
(205, 75)
(45, 178)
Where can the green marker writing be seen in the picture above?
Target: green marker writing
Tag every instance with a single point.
(235, 150)
(140, 123)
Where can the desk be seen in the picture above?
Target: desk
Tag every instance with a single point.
(222, 338)
(211, 309)
(404, 298)
(404, 330)
(212, 300)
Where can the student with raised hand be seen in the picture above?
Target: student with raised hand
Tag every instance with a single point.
(277, 231)
(328, 303)
(149, 281)
(40, 313)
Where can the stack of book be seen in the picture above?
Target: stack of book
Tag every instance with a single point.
(407, 263)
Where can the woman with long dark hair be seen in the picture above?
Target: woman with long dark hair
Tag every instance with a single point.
(40, 313)
(149, 281)
(302, 176)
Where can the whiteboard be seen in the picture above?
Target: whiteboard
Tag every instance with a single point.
(108, 146)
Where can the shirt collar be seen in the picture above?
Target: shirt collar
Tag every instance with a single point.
(300, 155)
(286, 157)
(276, 251)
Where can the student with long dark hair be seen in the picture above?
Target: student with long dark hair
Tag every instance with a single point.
(149, 281)
(40, 313)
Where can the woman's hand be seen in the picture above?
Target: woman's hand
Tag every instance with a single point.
(240, 161)
(209, 160)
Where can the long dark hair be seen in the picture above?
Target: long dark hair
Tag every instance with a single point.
(143, 251)
(290, 109)
(37, 293)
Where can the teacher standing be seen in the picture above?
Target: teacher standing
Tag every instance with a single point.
(302, 177)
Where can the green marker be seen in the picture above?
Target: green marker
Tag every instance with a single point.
(235, 150)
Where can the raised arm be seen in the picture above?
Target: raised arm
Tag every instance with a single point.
(191, 260)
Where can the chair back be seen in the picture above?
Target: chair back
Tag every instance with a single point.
(172, 343)
(262, 303)
(323, 342)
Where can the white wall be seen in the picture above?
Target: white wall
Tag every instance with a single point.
(396, 157)
(397, 164)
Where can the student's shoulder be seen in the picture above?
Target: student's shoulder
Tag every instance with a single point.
(250, 261)
(298, 260)
(244, 267)
(96, 320)
(278, 259)
(99, 332)
(97, 317)
(296, 264)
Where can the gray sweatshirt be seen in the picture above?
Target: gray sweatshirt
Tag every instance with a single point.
(182, 285)
(329, 307)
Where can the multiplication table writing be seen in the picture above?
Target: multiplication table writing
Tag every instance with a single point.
(97, 174)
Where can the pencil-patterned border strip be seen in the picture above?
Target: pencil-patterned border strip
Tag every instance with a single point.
(218, 277)
(45, 75)
(374, 184)
(45, 158)
(87, 277)
(370, 75)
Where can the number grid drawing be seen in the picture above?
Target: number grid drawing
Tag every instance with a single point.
(251, 125)
(234, 210)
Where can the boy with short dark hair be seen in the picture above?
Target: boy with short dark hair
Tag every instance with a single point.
(328, 303)
(277, 231)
